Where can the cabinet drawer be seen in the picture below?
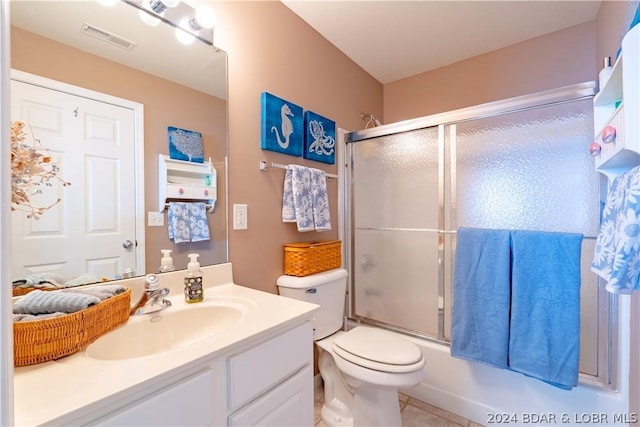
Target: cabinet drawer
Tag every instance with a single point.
(186, 403)
(289, 404)
(261, 368)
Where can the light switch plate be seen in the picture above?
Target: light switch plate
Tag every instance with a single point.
(155, 219)
(240, 220)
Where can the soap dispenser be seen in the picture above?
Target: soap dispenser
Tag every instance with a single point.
(166, 263)
(193, 291)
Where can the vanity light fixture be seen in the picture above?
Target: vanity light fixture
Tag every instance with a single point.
(190, 23)
(146, 16)
(205, 18)
(159, 6)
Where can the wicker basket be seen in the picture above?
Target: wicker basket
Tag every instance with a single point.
(303, 259)
(49, 339)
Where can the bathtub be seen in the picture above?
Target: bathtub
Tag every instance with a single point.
(492, 396)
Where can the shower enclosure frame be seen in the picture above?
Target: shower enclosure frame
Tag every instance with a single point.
(607, 310)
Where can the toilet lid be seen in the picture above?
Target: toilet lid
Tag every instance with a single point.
(378, 349)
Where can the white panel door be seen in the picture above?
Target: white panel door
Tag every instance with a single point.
(93, 144)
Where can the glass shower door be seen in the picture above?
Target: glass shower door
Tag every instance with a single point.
(531, 170)
(395, 217)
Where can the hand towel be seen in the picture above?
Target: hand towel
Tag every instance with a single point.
(305, 200)
(44, 280)
(84, 279)
(544, 340)
(35, 317)
(320, 200)
(42, 302)
(617, 253)
(198, 224)
(102, 292)
(178, 218)
(288, 208)
(188, 222)
(481, 296)
(300, 197)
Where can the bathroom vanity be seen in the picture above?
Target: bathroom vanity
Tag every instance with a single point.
(240, 357)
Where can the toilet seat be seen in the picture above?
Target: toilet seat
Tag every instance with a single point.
(379, 350)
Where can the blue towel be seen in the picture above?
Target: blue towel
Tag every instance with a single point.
(617, 254)
(481, 295)
(544, 338)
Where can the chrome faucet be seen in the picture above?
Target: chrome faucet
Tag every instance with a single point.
(153, 298)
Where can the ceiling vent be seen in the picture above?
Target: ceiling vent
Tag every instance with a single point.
(107, 36)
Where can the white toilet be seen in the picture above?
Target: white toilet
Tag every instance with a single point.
(363, 368)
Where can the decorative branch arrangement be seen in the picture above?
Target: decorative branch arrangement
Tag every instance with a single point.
(30, 171)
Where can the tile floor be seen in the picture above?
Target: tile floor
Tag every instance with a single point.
(414, 413)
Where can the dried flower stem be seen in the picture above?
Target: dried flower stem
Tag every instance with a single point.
(30, 170)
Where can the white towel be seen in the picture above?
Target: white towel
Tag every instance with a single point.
(305, 200)
(188, 222)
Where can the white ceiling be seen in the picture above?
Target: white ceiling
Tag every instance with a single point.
(393, 39)
(156, 50)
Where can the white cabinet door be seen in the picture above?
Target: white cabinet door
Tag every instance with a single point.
(290, 404)
(187, 403)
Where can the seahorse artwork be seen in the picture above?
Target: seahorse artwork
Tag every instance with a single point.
(286, 126)
(320, 138)
(282, 126)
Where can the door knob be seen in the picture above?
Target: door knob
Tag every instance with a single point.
(127, 244)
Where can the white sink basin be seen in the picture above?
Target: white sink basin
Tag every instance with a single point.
(174, 327)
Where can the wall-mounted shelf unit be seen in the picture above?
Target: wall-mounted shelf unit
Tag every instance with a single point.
(186, 181)
(617, 105)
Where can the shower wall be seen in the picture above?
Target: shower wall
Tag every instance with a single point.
(410, 190)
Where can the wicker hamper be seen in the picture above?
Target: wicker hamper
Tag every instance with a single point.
(303, 259)
(49, 339)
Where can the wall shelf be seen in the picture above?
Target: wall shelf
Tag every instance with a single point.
(186, 181)
(617, 104)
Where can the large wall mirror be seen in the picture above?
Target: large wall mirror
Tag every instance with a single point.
(109, 51)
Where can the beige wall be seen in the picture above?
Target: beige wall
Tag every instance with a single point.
(165, 104)
(271, 49)
(562, 58)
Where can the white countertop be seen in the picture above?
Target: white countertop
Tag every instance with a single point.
(59, 391)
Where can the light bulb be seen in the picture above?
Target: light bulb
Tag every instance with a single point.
(146, 17)
(205, 16)
(171, 3)
(182, 32)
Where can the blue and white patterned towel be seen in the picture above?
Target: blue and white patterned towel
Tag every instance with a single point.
(617, 254)
(305, 200)
(188, 222)
(320, 200)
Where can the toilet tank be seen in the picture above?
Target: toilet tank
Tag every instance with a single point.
(327, 289)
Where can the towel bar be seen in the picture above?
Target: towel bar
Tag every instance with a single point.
(263, 167)
(210, 206)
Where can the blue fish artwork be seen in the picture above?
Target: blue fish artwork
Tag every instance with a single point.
(319, 138)
(282, 126)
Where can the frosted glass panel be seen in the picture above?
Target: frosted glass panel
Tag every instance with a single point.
(528, 170)
(395, 188)
(397, 278)
(396, 180)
